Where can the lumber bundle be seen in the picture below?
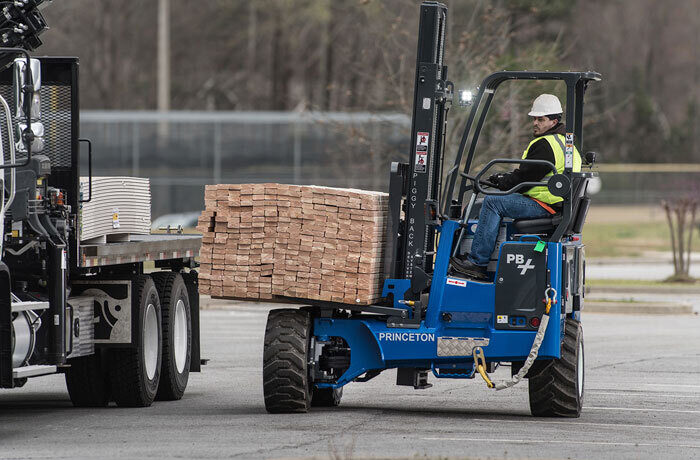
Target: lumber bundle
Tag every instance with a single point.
(261, 241)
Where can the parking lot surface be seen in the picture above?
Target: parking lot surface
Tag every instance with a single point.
(642, 400)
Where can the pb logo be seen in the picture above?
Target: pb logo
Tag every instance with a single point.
(520, 260)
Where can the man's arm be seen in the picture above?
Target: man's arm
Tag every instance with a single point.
(528, 172)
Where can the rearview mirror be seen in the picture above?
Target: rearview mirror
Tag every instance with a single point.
(20, 82)
(590, 157)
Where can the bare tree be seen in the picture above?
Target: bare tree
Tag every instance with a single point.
(681, 214)
(360, 55)
(118, 71)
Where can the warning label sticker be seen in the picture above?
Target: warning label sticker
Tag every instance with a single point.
(502, 319)
(422, 140)
(454, 282)
(421, 159)
(569, 153)
(115, 218)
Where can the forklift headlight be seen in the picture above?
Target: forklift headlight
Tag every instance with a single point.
(465, 97)
(594, 185)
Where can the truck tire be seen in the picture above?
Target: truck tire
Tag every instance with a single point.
(326, 397)
(177, 335)
(87, 382)
(286, 384)
(134, 372)
(557, 390)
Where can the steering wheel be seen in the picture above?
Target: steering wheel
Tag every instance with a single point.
(557, 184)
(481, 181)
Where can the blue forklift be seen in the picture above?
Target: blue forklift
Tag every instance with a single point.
(526, 314)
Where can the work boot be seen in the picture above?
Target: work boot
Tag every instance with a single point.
(468, 269)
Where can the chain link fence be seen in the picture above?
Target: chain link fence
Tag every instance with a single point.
(181, 152)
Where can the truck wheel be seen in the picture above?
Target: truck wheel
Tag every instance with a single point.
(135, 372)
(177, 335)
(326, 397)
(286, 384)
(557, 391)
(87, 381)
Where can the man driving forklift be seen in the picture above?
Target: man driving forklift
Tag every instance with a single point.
(537, 202)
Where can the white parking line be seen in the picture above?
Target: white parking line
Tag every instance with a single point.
(625, 425)
(645, 394)
(552, 441)
(670, 385)
(239, 313)
(639, 409)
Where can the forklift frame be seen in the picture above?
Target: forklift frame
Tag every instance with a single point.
(576, 85)
(435, 320)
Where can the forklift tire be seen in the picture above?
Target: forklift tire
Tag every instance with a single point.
(134, 372)
(326, 397)
(557, 390)
(177, 335)
(87, 381)
(286, 384)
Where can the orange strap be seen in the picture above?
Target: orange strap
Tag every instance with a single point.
(544, 205)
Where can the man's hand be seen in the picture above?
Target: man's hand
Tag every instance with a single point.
(497, 180)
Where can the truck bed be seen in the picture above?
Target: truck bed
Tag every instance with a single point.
(141, 248)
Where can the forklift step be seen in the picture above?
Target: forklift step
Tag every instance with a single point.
(24, 306)
(454, 373)
(460, 346)
(33, 371)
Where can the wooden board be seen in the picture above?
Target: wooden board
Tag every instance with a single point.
(266, 240)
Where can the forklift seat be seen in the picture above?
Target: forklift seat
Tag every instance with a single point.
(547, 225)
(537, 226)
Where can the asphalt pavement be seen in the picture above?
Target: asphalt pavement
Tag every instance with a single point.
(642, 400)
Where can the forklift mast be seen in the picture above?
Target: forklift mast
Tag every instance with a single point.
(418, 182)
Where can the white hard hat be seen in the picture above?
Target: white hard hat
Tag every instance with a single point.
(545, 104)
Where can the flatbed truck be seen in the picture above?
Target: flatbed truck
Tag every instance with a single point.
(120, 320)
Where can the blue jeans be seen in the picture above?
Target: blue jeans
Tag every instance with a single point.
(495, 207)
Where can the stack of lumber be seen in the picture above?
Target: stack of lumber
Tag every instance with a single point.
(261, 241)
(119, 206)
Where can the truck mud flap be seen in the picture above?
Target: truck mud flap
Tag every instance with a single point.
(192, 283)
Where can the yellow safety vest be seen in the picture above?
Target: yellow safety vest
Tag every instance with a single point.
(556, 141)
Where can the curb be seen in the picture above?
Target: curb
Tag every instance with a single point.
(638, 308)
(628, 308)
(643, 289)
(658, 258)
(207, 303)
